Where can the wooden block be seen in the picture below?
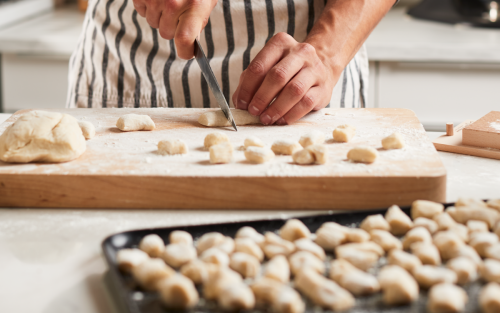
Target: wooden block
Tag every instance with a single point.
(484, 133)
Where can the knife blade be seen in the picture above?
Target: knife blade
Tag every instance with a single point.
(202, 60)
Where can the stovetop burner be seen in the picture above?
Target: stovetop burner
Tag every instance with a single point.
(479, 13)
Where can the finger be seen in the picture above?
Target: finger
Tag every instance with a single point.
(140, 8)
(293, 92)
(190, 26)
(311, 99)
(153, 14)
(256, 72)
(278, 77)
(168, 25)
(235, 94)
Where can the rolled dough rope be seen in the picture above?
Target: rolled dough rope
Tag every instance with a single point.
(394, 141)
(218, 119)
(172, 146)
(313, 138)
(215, 139)
(344, 133)
(135, 122)
(362, 154)
(258, 155)
(286, 147)
(87, 128)
(221, 153)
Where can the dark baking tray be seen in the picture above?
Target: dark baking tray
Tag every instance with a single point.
(134, 300)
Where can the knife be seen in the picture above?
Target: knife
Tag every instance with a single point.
(202, 60)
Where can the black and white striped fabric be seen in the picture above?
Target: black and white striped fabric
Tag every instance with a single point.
(120, 61)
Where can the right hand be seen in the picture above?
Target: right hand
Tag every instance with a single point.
(181, 20)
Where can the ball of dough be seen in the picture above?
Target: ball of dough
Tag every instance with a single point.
(134, 122)
(394, 141)
(221, 153)
(286, 147)
(127, 259)
(40, 136)
(153, 245)
(215, 138)
(218, 119)
(180, 236)
(303, 156)
(258, 155)
(87, 128)
(362, 154)
(344, 133)
(178, 292)
(253, 141)
(313, 138)
(178, 254)
(172, 146)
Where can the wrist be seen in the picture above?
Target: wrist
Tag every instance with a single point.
(331, 57)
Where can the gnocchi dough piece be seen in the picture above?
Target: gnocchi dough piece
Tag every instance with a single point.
(293, 230)
(428, 276)
(245, 264)
(236, 297)
(494, 204)
(376, 221)
(398, 220)
(215, 256)
(363, 260)
(404, 260)
(493, 252)
(352, 279)
(178, 292)
(427, 209)
(357, 235)
(250, 232)
(398, 286)
(322, 291)
(363, 154)
(218, 119)
(481, 241)
(386, 240)
(497, 229)
(258, 155)
(40, 136)
(464, 214)
(393, 141)
(344, 133)
(448, 243)
(477, 227)
(249, 246)
(221, 153)
(465, 269)
(444, 221)
(470, 202)
(198, 271)
(178, 254)
(172, 146)
(308, 245)
(275, 245)
(303, 157)
(215, 138)
(277, 296)
(426, 252)
(180, 236)
(150, 272)
(135, 122)
(490, 270)
(286, 147)
(429, 224)
(253, 141)
(319, 152)
(127, 259)
(446, 297)
(88, 129)
(329, 238)
(417, 234)
(278, 269)
(312, 138)
(489, 298)
(209, 240)
(227, 245)
(218, 280)
(153, 245)
(361, 246)
(302, 259)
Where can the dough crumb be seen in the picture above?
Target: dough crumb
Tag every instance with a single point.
(172, 146)
(258, 155)
(215, 138)
(88, 129)
(286, 147)
(135, 122)
(312, 138)
(362, 154)
(394, 141)
(344, 133)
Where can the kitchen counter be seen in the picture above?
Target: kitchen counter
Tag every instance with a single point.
(53, 256)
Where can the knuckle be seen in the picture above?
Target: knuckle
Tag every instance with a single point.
(259, 101)
(183, 38)
(308, 101)
(243, 94)
(296, 89)
(282, 37)
(278, 74)
(256, 68)
(307, 48)
(166, 34)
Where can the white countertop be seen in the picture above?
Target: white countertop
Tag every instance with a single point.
(398, 37)
(53, 256)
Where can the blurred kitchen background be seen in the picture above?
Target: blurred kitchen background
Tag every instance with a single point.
(439, 58)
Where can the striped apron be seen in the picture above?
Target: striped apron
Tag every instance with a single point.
(120, 61)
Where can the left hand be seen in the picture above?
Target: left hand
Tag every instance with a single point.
(290, 73)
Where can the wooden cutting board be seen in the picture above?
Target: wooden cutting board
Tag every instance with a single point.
(123, 169)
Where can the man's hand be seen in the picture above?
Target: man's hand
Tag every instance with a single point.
(182, 20)
(291, 74)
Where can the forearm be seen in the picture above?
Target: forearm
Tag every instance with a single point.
(343, 27)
